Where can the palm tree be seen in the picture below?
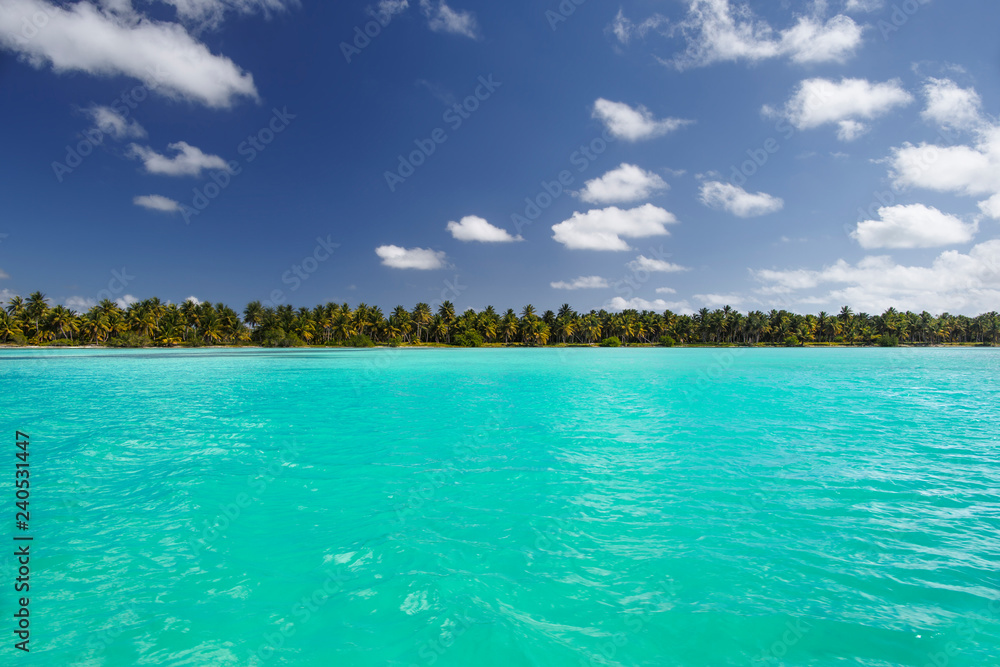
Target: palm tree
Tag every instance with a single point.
(446, 311)
(64, 321)
(252, 314)
(421, 317)
(509, 326)
(8, 327)
(35, 310)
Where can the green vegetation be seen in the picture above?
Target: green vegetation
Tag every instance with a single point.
(885, 340)
(154, 323)
(613, 341)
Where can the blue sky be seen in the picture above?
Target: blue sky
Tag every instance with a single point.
(799, 155)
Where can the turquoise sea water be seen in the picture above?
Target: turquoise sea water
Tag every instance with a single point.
(508, 507)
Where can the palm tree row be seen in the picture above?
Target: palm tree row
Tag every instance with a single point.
(152, 322)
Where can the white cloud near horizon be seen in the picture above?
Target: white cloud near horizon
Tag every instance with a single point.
(624, 122)
(619, 304)
(736, 200)
(844, 103)
(583, 282)
(81, 304)
(954, 282)
(603, 229)
(423, 259)
(719, 300)
(626, 183)
(83, 38)
(913, 226)
(188, 160)
(474, 228)
(157, 203)
(719, 31)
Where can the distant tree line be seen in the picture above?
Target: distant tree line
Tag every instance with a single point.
(154, 323)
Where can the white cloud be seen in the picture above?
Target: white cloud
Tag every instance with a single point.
(864, 5)
(386, 9)
(4, 275)
(643, 263)
(913, 226)
(474, 228)
(127, 300)
(630, 124)
(619, 304)
(157, 203)
(80, 304)
(626, 183)
(111, 122)
(849, 130)
(189, 160)
(951, 106)
(603, 229)
(210, 13)
(194, 300)
(736, 200)
(717, 31)
(718, 300)
(410, 258)
(82, 38)
(991, 207)
(624, 29)
(442, 18)
(971, 170)
(812, 41)
(666, 290)
(954, 282)
(6, 295)
(818, 102)
(583, 282)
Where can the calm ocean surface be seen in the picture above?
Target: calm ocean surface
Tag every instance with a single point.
(508, 507)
